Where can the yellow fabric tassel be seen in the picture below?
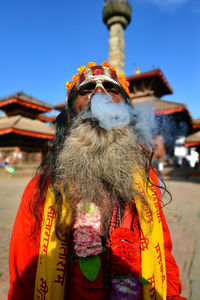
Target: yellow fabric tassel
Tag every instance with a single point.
(152, 240)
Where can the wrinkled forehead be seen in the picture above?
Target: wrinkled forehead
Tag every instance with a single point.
(97, 74)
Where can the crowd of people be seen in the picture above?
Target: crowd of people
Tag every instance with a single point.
(9, 162)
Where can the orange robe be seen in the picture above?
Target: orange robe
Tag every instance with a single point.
(24, 250)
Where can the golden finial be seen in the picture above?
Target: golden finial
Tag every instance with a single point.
(137, 71)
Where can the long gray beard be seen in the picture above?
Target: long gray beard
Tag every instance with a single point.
(100, 165)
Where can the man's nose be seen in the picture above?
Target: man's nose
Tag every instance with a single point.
(99, 89)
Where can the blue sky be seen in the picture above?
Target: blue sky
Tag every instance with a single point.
(44, 42)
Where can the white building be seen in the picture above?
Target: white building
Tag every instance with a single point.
(181, 152)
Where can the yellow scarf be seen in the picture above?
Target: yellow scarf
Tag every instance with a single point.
(52, 266)
(152, 240)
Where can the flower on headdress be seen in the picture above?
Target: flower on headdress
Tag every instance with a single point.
(124, 83)
(113, 69)
(81, 69)
(75, 78)
(121, 77)
(68, 84)
(91, 64)
(105, 64)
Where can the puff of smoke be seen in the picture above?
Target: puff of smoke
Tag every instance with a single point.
(143, 118)
(171, 128)
(112, 115)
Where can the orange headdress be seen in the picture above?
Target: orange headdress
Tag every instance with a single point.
(98, 70)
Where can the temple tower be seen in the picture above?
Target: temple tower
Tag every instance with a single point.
(117, 16)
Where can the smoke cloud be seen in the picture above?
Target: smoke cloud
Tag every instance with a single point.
(111, 115)
(144, 121)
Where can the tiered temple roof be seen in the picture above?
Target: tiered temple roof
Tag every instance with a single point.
(23, 104)
(193, 140)
(23, 124)
(172, 118)
(196, 124)
(151, 81)
(153, 85)
(46, 118)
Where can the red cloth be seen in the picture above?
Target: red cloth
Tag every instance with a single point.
(23, 255)
(24, 251)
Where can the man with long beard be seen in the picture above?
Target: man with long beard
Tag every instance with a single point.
(90, 224)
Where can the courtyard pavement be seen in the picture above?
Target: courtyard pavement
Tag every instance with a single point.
(183, 217)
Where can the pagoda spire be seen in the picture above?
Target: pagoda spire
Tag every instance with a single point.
(117, 16)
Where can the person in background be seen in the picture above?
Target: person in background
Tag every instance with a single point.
(158, 165)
